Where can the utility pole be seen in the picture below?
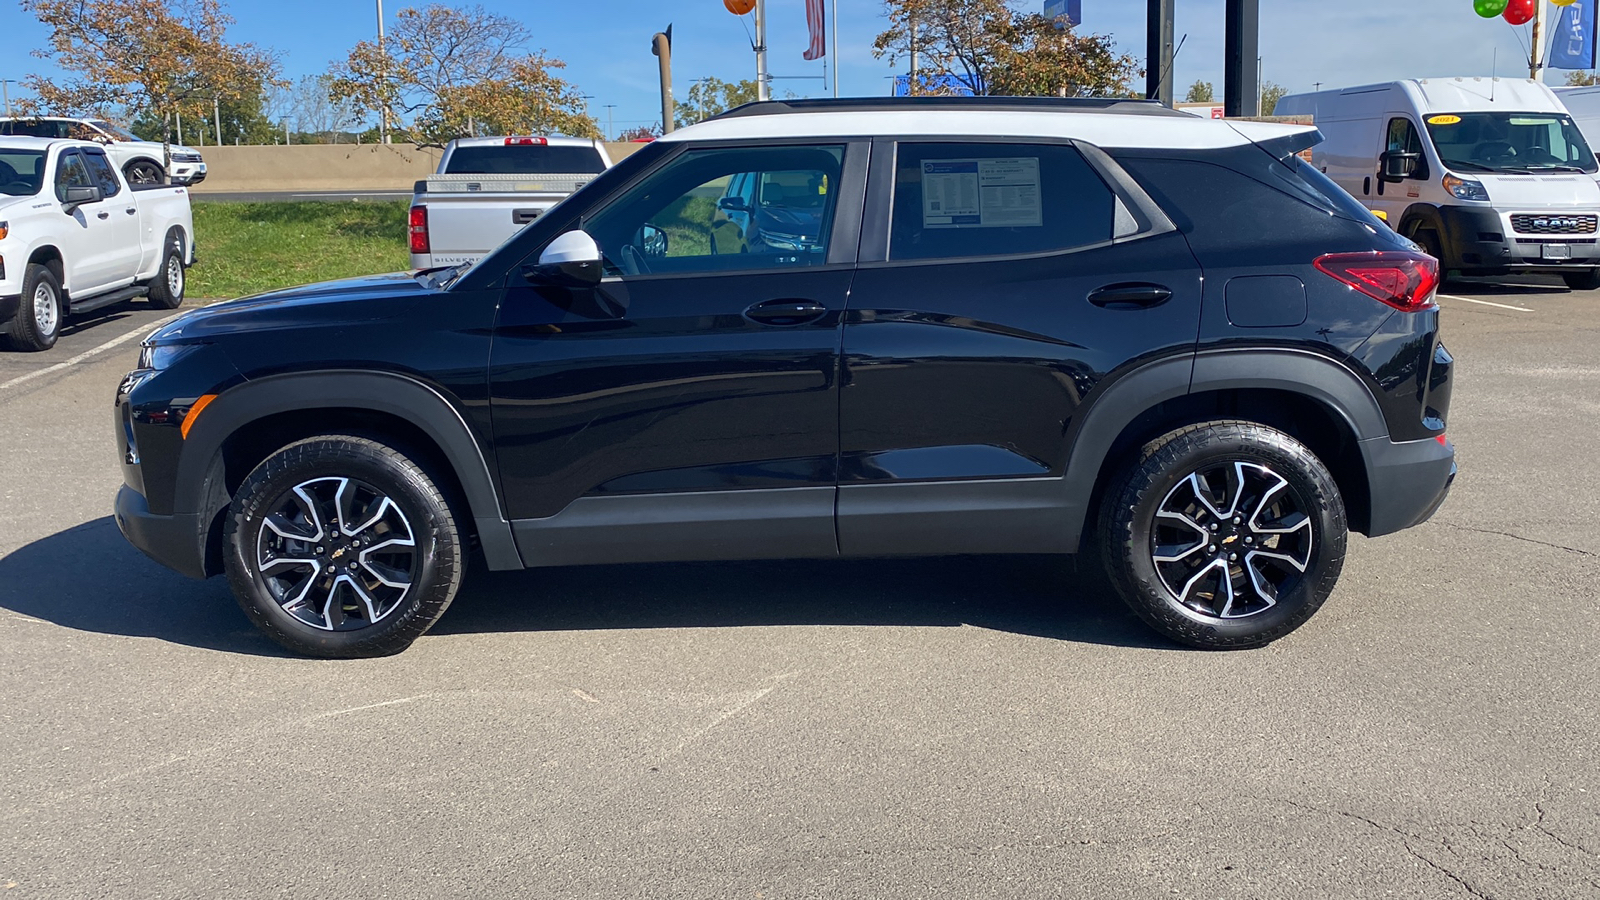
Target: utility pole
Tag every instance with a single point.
(911, 81)
(1158, 40)
(763, 87)
(180, 123)
(611, 124)
(7, 91)
(1536, 64)
(383, 78)
(216, 113)
(661, 46)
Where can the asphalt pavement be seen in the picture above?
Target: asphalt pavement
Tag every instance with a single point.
(968, 728)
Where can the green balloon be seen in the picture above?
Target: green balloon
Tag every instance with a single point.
(1489, 9)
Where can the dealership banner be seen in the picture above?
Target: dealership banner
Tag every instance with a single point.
(1572, 44)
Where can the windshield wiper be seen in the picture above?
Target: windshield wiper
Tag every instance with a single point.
(1463, 164)
(1560, 168)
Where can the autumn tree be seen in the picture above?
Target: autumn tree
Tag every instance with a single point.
(1582, 79)
(640, 133)
(992, 47)
(150, 57)
(711, 96)
(1271, 93)
(1201, 92)
(454, 72)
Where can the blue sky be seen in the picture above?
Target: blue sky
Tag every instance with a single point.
(607, 44)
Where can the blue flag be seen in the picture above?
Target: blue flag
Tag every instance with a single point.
(1572, 45)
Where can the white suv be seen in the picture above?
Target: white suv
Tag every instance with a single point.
(141, 161)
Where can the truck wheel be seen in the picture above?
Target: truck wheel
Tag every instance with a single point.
(342, 547)
(166, 291)
(143, 171)
(38, 320)
(1224, 535)
(1583, 281)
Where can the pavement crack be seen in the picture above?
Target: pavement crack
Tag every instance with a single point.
(1406, 838)
(1518, 537)
(1444, 871)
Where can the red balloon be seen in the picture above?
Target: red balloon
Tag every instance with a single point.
(739, 7)
(1521, 12)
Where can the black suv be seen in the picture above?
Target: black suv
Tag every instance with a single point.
(1021, 327)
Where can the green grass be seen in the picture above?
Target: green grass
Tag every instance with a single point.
(246, 248)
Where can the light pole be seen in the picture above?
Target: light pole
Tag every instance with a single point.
(383, 86)
(216, 115)
(763, 87)
(7, 91)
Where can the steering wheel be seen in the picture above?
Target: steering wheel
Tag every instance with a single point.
(17, 188)
(1494, 150)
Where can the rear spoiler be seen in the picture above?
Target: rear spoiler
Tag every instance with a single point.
(1277, 138)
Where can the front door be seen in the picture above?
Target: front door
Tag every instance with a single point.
(95, 241)
(1015, 281)
(1393, 198)
(688, 405)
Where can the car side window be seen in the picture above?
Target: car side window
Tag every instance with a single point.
(697, 214)
(71, 172)
(1403, 138)
(102, 173)
(992, 199)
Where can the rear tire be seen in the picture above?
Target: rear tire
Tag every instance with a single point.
(38, 321)
(1583, 281)
(1224, 535)
(341, 547)
(166, 291)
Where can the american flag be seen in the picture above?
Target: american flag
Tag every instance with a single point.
(816, 21)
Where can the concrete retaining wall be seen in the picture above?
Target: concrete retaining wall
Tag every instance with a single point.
(327, 167)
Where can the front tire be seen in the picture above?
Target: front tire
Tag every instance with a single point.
(143, 171)
(1224, 535)
(38, 321)
(1583, 281)
(342, 547)
(166, 291)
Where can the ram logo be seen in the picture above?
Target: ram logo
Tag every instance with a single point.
(1556, 223)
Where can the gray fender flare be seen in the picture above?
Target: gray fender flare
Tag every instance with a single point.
(1311, 375)
(390, 393)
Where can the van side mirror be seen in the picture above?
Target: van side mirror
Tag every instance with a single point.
(733, 204)
(573, 259)
(1398, 165)
(78, 196)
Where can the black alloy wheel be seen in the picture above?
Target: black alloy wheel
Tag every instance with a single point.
(1224, 535)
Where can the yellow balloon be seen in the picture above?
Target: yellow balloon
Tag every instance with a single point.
(1563, 2)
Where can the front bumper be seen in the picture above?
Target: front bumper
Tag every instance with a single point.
(1407, 481)
(188, 173)
(174, 541)
(1482, 240)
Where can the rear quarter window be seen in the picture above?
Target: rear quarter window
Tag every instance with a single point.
(1233, 218)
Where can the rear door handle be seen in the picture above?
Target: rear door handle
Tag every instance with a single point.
(131, 210)
(103, 214)
(523, 216)
(786, 312)
(1130, 296)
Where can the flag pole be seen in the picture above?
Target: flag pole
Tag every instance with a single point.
(835, 48)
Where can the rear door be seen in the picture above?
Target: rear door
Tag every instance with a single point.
(1001, 282)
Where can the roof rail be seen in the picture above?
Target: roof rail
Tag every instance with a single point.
(1116, 105)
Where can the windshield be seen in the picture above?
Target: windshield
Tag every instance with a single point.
(1513, 143)
(118, 132)
(21, 172)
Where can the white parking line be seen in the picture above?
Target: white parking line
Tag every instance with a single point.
(1482, 302)
(114, 342)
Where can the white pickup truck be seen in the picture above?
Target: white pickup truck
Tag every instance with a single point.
(74, 236)
(488, 188)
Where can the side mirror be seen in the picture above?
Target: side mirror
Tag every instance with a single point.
(78, 196)
(573, 260)
(652, 242)
(1398, 165)
(733, 204)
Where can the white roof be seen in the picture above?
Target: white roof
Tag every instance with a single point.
(553, 141)
(1102, 129)
(26, 142)
(1445, 95)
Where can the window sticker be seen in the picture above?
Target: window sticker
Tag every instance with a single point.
(981, 193)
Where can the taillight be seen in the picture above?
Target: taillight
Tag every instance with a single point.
(419, 229)
(526, 141)
(1399, 278)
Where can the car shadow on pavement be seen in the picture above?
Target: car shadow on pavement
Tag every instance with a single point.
(89, 578)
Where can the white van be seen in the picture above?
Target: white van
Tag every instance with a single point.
(1490, 175)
